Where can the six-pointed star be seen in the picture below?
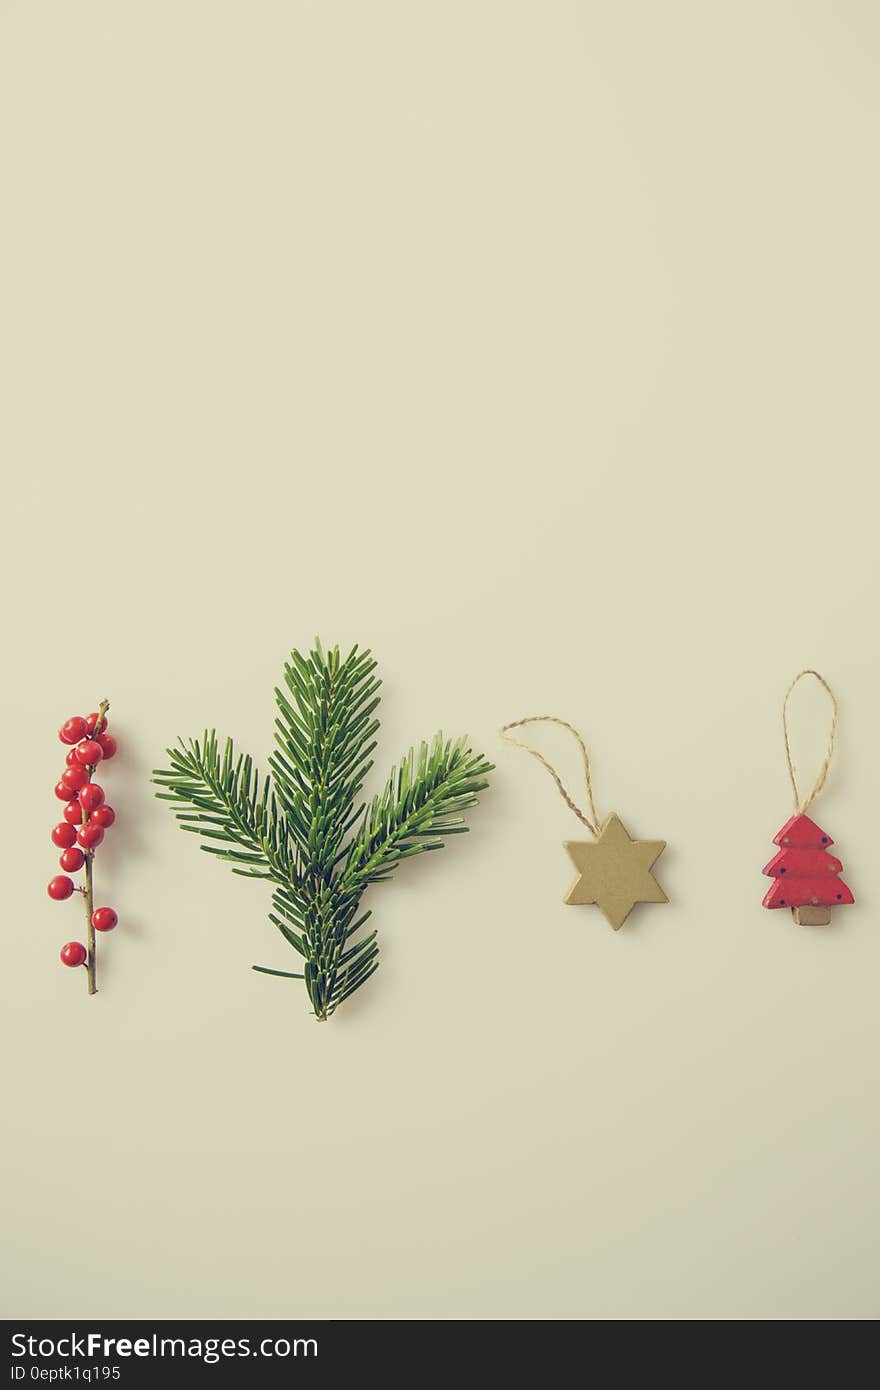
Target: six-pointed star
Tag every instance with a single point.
(615, 871)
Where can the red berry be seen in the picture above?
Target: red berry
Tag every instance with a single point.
(91, 796)
(72, 730)
(90, 836)
(107, 743)
(104, 919)
(74, 953)
(64, 835)
(60, 887)
(72, 859)
(92, 723)
(72, 760)
(74, 777)
(104, 816)
(89, 752)
(64, 793)
(73, 813)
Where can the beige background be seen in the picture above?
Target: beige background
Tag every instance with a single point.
(534, 345)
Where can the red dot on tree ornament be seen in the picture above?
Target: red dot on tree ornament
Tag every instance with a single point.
(92, 723)
(91, 796)
(104, 816)
(72, 859)
(74, 953)
(63, 835)
(108, 744)
(73, 813)
(74, 777)
(60, 887)
(104, 919)
(89, 752)
(90, 836)
(64, 793)
(73, 729)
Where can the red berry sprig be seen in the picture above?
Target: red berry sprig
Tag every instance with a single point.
(86, 817)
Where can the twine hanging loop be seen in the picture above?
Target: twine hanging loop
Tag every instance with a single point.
(592, 825)
(801, 803)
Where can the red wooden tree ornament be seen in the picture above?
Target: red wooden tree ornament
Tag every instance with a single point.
(805, 875)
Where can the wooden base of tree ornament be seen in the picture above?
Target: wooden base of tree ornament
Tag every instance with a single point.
(811, 916)
(806, 876)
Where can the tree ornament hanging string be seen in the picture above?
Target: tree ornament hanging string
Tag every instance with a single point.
(806, 876)
(801, 803)
(614, 871)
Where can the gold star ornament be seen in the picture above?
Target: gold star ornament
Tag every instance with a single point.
(614, 871)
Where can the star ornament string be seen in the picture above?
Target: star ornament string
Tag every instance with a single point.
(614, 870)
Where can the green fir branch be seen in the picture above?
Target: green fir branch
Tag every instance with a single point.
(424, 800)
(324, 737)
(224, 799)
(304, 828)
